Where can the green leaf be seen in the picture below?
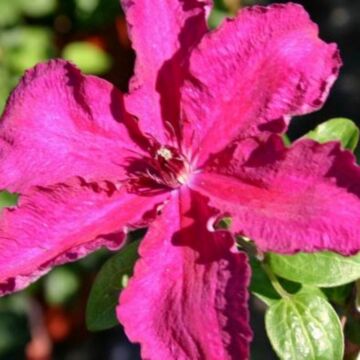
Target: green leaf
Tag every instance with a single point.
(104, 295)
(322, 269)
(286, 140)
(88, 57)
(341, 129)
(305, 327)
(313, 291)
(8, 199)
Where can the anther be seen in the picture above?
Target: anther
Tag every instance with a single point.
(165, 153)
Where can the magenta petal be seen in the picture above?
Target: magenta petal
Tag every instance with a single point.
(188, 296)
(59, 123)
(61, 223)
(162, 33)
(306, 198)
(253, 73)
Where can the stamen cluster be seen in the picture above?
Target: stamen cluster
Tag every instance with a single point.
(166, 169)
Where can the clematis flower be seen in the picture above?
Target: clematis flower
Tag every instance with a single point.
(197, 137)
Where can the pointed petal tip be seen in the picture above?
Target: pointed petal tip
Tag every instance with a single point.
(23, 280)
(63, 223)
(256, 80)
(302, 198)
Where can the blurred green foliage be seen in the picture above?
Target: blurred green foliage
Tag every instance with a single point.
(36, 30)
(22, 45)
(14, 332)
(7, 199)
(88, 57)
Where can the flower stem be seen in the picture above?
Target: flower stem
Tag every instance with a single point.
(248, 246)
(252, 251)
(274, 281)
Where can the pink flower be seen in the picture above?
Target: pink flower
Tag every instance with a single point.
(197, 137)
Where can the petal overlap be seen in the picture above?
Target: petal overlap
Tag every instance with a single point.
(303, 198)
(61, 223)
(253, 73)
(161, 59)
(188, 296)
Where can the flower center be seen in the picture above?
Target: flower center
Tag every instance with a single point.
(167, 168)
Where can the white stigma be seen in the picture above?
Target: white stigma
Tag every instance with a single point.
(182, 178)
(165, 153)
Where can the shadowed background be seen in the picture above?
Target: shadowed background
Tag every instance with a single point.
(47, 320)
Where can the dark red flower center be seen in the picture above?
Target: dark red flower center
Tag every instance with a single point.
(167, 168)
